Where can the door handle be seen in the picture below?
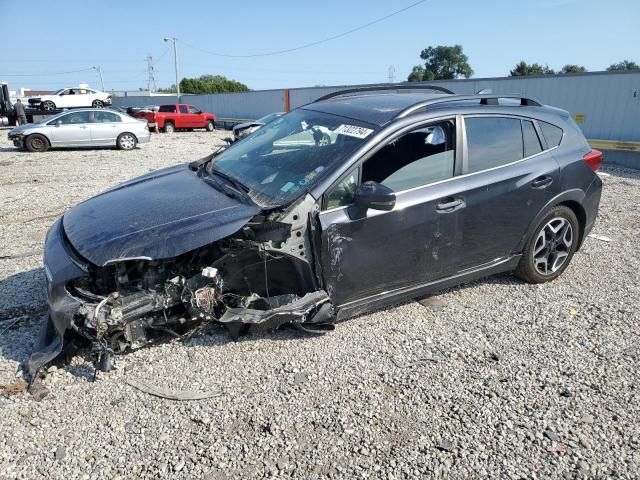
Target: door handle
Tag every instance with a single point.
(542, 182)
(450, 204)
(83, 126)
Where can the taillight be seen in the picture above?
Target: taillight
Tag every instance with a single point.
(594, 159)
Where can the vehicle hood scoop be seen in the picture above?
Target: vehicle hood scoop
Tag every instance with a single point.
(159, 215)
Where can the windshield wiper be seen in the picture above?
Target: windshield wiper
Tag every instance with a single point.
(233, 181)
(229, 185)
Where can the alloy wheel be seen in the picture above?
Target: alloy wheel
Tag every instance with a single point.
(127, 142)
(553, 246)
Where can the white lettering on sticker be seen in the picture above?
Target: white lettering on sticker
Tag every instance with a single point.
(353, 131)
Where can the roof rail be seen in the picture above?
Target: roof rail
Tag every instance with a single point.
(400, 86)
(484, 100)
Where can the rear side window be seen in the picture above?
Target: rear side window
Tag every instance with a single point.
(492, 141)
(167, 108)
(530, 139)
(552, 134)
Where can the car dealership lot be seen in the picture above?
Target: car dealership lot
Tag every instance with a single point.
(514, 378)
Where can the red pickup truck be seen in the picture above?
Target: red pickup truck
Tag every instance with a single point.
(178, 116)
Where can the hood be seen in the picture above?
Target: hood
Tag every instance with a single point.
(242, 126)
(159, 215)
(23, 128)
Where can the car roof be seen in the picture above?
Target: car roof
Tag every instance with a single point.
(372, 108)
(380, 109)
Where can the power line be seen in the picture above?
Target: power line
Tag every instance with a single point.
(307, 45)
(44, 74)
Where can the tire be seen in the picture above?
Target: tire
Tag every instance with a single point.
(169, 127)
(126, 141)
(36, 143)
(210, 126)
(48, 106)
(551, 247)
(97, 104)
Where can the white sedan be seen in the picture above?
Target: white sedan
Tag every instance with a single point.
(82, 128)
(71, 98)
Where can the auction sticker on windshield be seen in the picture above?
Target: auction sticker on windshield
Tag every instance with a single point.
(353, 131)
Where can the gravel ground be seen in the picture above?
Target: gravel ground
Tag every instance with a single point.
(523, 381)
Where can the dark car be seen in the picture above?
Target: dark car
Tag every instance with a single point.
(242, 130)
(414, 193)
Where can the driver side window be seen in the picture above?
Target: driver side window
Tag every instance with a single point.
(421, 156)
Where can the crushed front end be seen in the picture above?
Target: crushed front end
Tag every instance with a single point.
(246, 281)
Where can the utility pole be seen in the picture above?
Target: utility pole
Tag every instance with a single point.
(151, 84)
(175, 61)
(392, 74)
(99, 69)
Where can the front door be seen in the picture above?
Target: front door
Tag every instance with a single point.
(71, 129)
(364, 256)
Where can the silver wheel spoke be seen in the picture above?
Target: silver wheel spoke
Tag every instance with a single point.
(541, 242)
(559, 260)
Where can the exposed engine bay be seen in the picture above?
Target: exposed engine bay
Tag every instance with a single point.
(248, 282)
(128, 305)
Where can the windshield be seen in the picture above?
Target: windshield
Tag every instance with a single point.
(269, 118)
(285, 158)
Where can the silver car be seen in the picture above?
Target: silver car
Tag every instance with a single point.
(82, 128)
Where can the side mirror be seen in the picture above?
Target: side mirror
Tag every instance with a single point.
(375, 196)
(58, 123)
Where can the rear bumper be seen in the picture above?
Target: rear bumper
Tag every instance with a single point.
(144, 137)
(591, 203)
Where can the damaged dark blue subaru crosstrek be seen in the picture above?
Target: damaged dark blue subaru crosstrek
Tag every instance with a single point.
(355, 201)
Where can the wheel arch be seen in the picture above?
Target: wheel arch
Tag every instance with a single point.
(572, 199)
(41, 134)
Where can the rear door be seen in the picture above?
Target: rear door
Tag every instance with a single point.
(183, 119)
(509, 179)
(369, 256)
(105, 127)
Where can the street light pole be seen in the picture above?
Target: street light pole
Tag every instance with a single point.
(99, 69)
(175, 61)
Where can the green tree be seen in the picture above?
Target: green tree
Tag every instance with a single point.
(570, 68)
(441, 63)
(211, 84)
(524, 69)
(623, 65)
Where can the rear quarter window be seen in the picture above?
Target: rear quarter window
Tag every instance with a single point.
(552, 134)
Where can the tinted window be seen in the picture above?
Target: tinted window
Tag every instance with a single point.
(183, 109)
(167, 108)
(105, 117)
(75, 117)
(492, 141)
(530, 139)
(194, 110)
(552, 134)
(419, 157)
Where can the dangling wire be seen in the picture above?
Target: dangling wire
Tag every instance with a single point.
(266, 278)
